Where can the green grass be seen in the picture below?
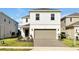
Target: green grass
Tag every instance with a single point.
(13, 49)
(69, 42)
(14, 42)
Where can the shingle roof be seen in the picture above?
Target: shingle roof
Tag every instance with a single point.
(71, 15)
(40, 9)
(26, 16)
(74, 24)
(44, 9)
(74, 14)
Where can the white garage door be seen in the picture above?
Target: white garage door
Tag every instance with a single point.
(44, 37)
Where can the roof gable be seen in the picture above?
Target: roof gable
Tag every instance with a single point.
(8, 17)
(74, 14)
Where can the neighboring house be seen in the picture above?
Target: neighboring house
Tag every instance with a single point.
(70, 25)
(8, 27)
(43, 24)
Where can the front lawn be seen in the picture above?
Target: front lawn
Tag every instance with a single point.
(69, 42)
(14, 49)
(14, 42)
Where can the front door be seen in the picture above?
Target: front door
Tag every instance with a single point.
(26, 33)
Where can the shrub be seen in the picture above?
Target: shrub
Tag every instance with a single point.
(20, 37)
(13, 33)
(18, 33)
(62, 35)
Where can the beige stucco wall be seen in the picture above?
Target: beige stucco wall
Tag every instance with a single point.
(73, 20)
(76, 31)
(5, 27)
(70, 32)
(63, 25)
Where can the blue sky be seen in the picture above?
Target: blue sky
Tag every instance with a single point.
(17, 13)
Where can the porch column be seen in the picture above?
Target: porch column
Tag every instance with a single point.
(22, 33)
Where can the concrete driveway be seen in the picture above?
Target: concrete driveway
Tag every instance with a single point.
(48, 43)
(58, 43)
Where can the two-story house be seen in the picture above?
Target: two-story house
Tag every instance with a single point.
(70, 25)
(8, 27)
(43, 24)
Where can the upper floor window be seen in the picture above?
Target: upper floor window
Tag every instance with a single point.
(4, 20)
(37, 16)
(70, 19)
(52, 16)
(26, 19)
